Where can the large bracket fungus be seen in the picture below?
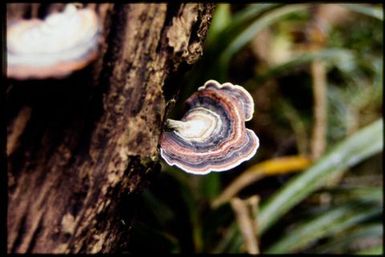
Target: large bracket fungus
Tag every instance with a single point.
(212, 135)
(53, 47)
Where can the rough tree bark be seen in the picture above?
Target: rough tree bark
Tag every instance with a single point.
(79, 148)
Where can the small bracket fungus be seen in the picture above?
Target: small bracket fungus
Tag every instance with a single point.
(212, 135)
(53, 47)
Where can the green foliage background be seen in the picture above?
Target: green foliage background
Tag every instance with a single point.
(333, 206)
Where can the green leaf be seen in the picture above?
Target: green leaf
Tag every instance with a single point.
(343, 194)
(221, 20)
(250, 31)
(343, 241)
(332, 55)
(374, 12)
(375, 250)
(362, 144)
(210, 186)
(231, 241)
(241, 18)
(328, 223)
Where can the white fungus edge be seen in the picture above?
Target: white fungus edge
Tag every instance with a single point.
(210, 168)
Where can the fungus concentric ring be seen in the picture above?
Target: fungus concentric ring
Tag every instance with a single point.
(53, 47)
(212, 135)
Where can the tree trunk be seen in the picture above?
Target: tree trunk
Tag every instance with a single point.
(79, 148)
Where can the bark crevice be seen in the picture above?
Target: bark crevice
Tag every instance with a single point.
(80, 148)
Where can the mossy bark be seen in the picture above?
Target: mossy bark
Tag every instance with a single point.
(79, 148)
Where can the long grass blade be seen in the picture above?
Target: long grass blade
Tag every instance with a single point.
(374, 12)
(334, 55)
(343, 241)
(328, 223)
(351, 151)
(249, 33)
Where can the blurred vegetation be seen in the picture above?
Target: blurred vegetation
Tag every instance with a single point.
(315, 184)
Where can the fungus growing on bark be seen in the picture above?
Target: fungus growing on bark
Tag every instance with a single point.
(212, 135)
(53, 47)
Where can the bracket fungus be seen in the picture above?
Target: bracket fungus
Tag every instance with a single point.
(211, 136)
(53, 47)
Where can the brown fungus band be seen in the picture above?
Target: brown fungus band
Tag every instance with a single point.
(212, 135)
(53, 47)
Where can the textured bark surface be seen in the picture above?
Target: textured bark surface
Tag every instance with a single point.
(79, 148)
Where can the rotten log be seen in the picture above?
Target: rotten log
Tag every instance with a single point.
(79, 148)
